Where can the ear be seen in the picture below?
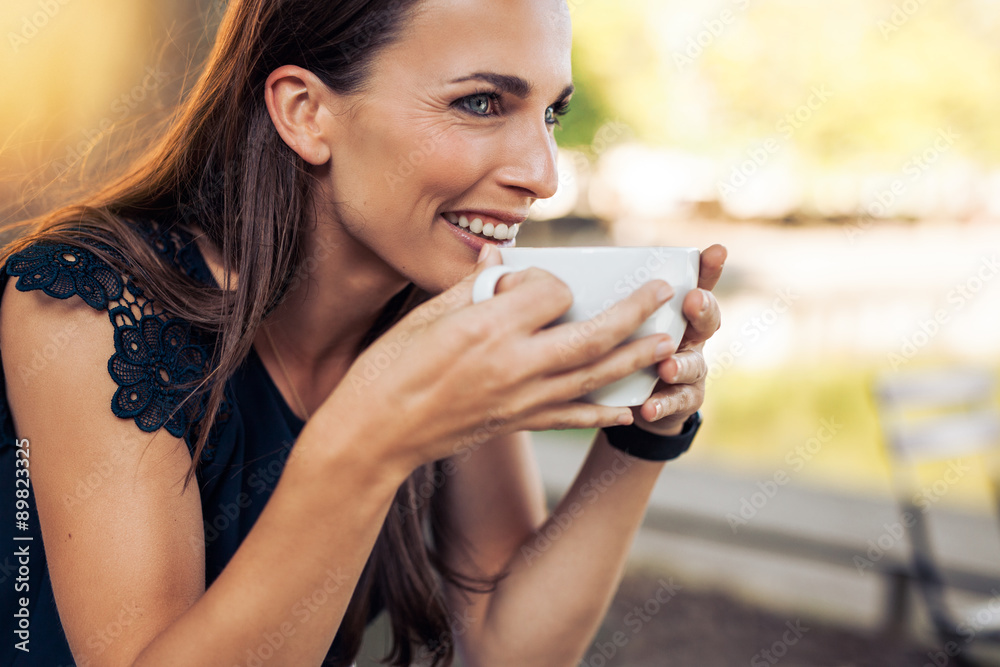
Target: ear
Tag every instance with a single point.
(295, 101)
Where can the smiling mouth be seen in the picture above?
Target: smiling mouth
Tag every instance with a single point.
(488, 230)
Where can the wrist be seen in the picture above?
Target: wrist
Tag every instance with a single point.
(663, 426)
(643, 444)
(338, 439)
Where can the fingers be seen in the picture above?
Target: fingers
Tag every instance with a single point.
(460, 294)
(580, 343)
(576, 415)
(533, 296)
(623, 361)
(703, 315)
(685, 367)
(712, 260)
(679, 399)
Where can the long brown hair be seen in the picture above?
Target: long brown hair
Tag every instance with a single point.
(221, 165)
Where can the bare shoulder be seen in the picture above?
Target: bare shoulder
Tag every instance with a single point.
(121, 534)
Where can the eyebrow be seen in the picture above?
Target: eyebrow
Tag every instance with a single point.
(513, 85)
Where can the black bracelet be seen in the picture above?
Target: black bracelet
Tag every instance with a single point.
(642, 444)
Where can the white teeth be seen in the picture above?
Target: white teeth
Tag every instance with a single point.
(500, 232)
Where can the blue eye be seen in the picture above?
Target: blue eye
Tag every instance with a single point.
(486, 103)
(480, 103)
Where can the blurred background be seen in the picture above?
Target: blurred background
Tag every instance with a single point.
(848, 156)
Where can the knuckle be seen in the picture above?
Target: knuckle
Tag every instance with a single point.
(474, 329)
(589, 383)
(563, 424)
(561, 293)
(702, 368)
(683, 366)
(592, 348)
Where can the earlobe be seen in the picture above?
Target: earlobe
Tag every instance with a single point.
(293, 96)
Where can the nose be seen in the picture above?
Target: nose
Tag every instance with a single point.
(529, 160)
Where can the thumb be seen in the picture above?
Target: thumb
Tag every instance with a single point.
(459, 295)
(488, 256)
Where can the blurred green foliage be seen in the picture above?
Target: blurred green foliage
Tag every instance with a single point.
(721, 75)
(759, 422)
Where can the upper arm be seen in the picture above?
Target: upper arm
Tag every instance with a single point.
(495, 500)
(124, 544)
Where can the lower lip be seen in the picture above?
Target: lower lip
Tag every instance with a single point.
(474, 241)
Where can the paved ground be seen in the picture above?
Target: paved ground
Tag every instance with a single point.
(705, 629)
(737, 599)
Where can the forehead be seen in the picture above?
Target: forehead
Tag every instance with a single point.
(532, 39)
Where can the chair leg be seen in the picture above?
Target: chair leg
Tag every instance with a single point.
(897, 603)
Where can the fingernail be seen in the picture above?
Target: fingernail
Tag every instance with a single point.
(672, 378)
(625, 419)
(664, 349)
(483, 253)
(665, 293)
(659, 411)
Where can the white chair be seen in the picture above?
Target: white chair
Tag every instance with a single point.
(928, 416)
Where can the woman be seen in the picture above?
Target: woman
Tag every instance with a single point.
(282, 269)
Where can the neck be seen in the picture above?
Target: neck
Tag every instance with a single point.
(340, 290)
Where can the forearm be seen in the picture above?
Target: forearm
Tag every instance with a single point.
(563, 578)
(286, 588)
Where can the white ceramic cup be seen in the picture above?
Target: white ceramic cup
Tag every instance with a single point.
(599, 278)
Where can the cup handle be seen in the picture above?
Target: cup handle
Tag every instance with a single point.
(486, 282)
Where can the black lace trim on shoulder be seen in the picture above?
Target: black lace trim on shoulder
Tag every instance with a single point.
(153, 351)
(178, 247)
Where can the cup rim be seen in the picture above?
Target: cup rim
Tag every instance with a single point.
(599, 248)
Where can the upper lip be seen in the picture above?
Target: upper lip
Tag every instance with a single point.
(502, 216)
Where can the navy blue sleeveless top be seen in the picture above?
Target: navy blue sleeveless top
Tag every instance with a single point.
(239, 466)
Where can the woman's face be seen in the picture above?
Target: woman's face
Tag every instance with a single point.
(458, 120)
